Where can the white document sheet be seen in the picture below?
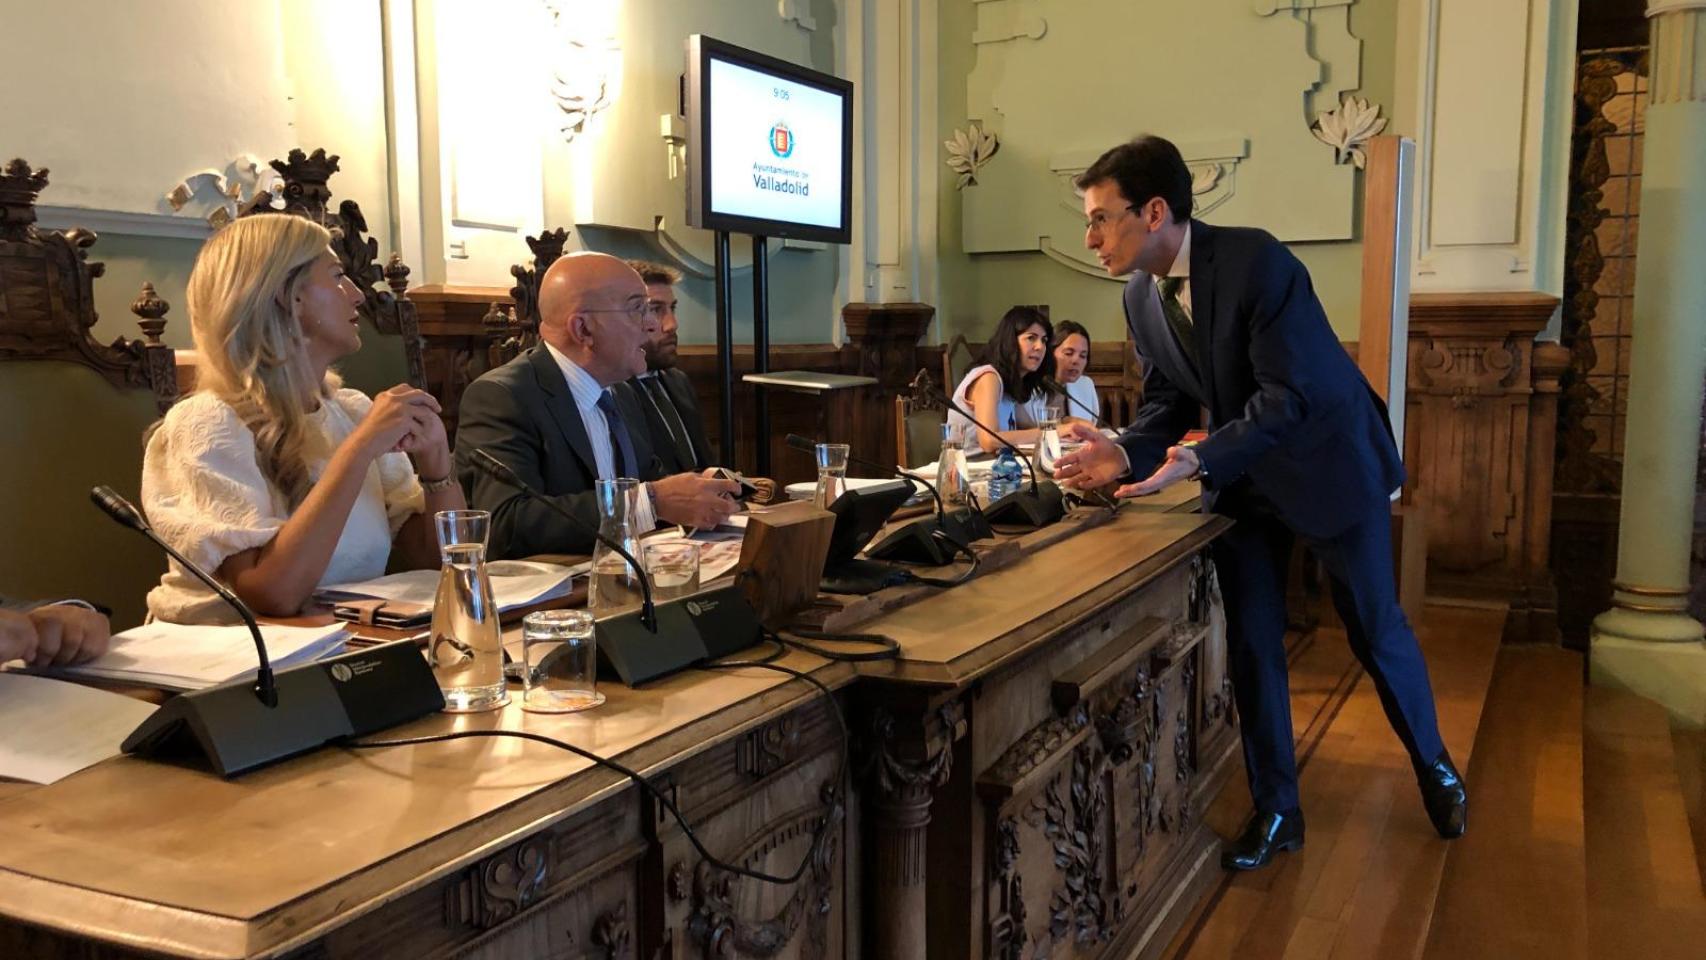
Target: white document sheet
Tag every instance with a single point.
(175, 656)
(50, 729)
(515, 583)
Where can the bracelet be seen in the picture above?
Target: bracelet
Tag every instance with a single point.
(437, 486)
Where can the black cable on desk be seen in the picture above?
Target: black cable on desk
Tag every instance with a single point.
(652, 790)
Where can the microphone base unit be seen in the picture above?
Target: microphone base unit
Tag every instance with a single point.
(1028, 508)
(705, 626)
(918, 541)
(349, 695)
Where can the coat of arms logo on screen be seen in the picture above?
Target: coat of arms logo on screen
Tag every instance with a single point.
(781, 140)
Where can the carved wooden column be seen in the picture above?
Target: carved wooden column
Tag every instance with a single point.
(1482, 412)
(905, 760)
(882, 342)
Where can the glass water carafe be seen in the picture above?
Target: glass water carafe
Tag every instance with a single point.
(1048, 446)
(951, 480)
(614, 584)
(466, 646)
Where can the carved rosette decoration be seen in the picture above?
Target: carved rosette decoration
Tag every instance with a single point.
(1348, 128)
(716, 924)
(47, 298)
(498, 888)
(968, 151)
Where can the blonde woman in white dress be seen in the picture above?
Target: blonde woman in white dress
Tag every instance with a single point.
(271, 474)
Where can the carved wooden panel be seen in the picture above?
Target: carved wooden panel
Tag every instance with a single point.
(1482, 408)
(47, 299)
(792, 813)
(569, 891)
(1088, 812)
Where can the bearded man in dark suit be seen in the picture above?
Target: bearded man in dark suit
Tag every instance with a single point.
(1227, 321)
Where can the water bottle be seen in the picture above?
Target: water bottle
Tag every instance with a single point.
(466, 646)
(1005, 476)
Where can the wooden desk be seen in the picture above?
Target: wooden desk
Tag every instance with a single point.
(972, 767)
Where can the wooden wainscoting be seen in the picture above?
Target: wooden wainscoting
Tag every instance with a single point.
(1481, 421)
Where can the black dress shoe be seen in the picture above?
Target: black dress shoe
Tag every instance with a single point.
(1266, 833)
(1444, 796)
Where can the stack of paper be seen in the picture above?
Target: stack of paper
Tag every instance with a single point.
(408, 596)
(51, 729)
(175, 656)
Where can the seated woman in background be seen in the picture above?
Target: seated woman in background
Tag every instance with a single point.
(1006, 389)
(1071, 359)
(270, 474)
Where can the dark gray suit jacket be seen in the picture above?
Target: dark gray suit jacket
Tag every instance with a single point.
(523, 414)
(680, 389)
(1290, 415)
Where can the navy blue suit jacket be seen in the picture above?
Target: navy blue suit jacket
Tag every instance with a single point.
(1291, 418)
(523, 414)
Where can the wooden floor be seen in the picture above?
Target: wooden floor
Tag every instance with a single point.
(1579, 842)
(1363, 885)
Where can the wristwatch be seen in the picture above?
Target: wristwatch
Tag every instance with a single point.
(435, 486)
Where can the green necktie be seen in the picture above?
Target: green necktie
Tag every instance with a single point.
(1177, 318)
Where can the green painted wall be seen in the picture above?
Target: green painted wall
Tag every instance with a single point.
(976, 290)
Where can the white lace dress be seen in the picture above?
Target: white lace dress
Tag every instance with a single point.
(203, 491)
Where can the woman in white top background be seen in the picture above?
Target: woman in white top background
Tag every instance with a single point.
(1071, 359)
(1005, 390)
(271, 474)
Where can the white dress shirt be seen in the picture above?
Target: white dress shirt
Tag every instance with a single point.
(1181, 268)
(586, 391)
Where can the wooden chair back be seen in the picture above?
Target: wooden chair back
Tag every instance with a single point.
(74, 412)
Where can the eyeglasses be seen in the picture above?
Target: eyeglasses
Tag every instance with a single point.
(637, 310)
(1099, 220)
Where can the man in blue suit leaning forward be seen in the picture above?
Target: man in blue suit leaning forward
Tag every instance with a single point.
(1226, 320)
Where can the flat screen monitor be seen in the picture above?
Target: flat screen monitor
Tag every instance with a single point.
(769, 145)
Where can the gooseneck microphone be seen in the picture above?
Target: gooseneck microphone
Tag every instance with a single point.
(1037, 507)
(238, 726)
(1056, 386)
(502, 472)
(660, 639)
(122, 510)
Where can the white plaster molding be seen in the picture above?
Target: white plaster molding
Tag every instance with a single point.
(796, 10)
(586, 75)
(673, 129)
(968, 151)
(162, 225)
(1658, 7)
(1348, 128)
(998, 22)
(249, 185)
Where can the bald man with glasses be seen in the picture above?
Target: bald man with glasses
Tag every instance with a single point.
(562, 417)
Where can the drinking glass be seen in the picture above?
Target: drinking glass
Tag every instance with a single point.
(559, 655)
(831, 474)
(673, 566)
